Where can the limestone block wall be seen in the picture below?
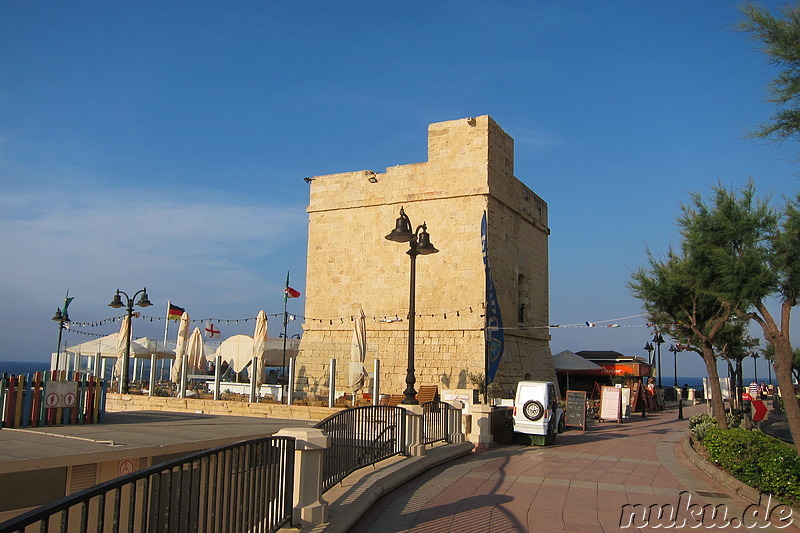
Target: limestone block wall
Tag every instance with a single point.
(352, 267)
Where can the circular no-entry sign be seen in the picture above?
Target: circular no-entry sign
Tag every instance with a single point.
(51, 399)
(69, 399)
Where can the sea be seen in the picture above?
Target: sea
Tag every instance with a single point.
(30, 367)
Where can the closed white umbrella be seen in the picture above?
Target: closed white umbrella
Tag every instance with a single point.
(122, 339)
(260, 346)
(180, 349)
(358, 353)
(195, 356)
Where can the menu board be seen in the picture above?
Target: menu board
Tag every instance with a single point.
(611, 403)
(576, 408)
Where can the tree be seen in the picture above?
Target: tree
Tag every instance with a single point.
(784, 261)
(744, 253)
(680, 306)
(781, 39)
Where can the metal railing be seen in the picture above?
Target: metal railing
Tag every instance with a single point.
(359, 437)
(246, 486)
(435, 422)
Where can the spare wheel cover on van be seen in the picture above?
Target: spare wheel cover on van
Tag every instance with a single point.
(533, 410)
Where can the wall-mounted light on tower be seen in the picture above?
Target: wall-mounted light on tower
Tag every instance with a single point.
(373, 178)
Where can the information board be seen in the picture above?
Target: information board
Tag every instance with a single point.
(611, 403)
(576, 408)
(60, 394)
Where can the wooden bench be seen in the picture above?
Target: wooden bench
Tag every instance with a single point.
(427, 393)
(393, 400)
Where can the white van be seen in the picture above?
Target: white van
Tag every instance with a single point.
(536, 410)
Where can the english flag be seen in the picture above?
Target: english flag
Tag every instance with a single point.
(211, 331)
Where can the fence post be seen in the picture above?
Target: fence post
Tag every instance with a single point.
(310, 445)
(290, 383)
(255, 369)
(481, 434)
(332, 384)
(376, 382)
(414, 424)
(151, 389)
(454, 424)
(217, 375)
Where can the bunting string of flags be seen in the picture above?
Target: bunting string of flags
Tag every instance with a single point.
(208, 323)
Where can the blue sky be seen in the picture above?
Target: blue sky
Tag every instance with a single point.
(165, 144)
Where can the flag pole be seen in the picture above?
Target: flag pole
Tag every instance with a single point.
(166, 323)
(285, 321)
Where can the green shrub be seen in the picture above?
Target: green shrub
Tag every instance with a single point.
(757, 459)
(699, 424)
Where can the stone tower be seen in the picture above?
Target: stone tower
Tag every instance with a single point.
(352, 267)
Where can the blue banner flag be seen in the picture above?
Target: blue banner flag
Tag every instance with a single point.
(494, 321)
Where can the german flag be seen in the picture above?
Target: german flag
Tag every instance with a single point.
(175, 312)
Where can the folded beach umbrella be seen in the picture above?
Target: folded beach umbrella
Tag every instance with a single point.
(195, 356)
(358, 354)
(180, 349)
(122, 339)
(260, 345)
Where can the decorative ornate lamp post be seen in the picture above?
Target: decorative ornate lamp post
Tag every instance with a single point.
(674, 349)
(61, 318)
(118, 303)
(420, 244)
(658, 340)
(649, 348)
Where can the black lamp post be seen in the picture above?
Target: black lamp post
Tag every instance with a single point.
(755, 366)
(649, 348)
(674, 349)
(658, 340)
(61, 318)
(420, 244)
(117, 303)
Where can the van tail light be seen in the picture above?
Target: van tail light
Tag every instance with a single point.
(546, 414)
(515, 410)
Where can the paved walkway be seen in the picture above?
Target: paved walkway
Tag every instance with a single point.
(581, 484)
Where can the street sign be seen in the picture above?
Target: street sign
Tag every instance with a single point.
(758, 410)
(125, 467)
(60, 394)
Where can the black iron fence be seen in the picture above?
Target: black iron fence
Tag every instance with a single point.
(241, 487)
(435, 422)
(360, 437)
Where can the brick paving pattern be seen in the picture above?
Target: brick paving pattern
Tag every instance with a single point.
(578, 485)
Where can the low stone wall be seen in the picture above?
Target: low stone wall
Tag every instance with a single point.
(130, 402)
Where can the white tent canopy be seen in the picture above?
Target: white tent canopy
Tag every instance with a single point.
(237, 351)
(107, 347)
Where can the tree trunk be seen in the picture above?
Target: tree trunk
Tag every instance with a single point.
(783, 373)
(717, 405)
(779, 338)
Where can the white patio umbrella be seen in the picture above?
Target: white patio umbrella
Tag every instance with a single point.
(260, 346)
(358, 353)
(237, 351)
(122, 339)
(180, 349)
(567, 361)
(195, 355)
